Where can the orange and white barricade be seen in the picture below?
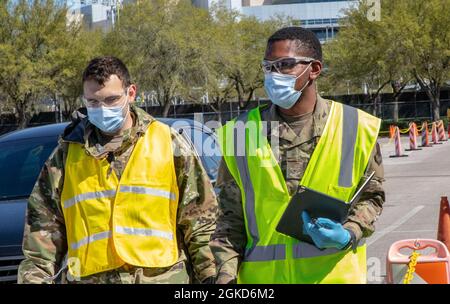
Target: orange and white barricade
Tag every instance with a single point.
(398, 144)
(418, 266)
(434, 134)
(441, 131)
(413, 133)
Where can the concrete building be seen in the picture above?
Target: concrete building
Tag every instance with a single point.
(97, 16)
(74, 16)
(95, 13)
(321, 16)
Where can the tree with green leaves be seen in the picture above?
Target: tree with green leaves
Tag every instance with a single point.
(247, 41)
(177, 50)
(162, 42)
(411, 41)
(219, 57)
(355, 56)
(31, 34)
(234, 54)
(77, 53)
(430, 47)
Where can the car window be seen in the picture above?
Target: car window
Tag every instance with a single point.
(207, 147)
(205, 144)
(20, 164)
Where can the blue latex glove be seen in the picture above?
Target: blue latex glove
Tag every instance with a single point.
(325, 233)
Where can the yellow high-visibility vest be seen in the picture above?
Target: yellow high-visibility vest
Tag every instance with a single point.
(110, 222)
(336, 166)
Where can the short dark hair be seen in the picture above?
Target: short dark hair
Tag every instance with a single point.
(306, 41)
(101, 68)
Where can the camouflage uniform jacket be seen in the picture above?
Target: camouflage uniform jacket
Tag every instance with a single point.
(297, 139)
(45, 244)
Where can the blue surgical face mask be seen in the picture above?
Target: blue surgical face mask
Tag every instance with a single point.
(281, 88)
(108, 119)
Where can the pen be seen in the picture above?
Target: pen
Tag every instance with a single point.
(314, 221)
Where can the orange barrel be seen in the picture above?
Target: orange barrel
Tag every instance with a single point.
(431, 268)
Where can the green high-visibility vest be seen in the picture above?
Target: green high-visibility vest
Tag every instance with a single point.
(336, 166)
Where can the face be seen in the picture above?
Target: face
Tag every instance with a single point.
(110, 94)
(287, 48)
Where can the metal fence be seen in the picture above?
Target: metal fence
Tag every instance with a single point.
(407, 110)
(418, 110)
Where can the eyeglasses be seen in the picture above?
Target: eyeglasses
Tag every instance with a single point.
(284, 65)
(109, 101)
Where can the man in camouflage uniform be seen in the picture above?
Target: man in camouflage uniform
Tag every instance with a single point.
(295, 138)
(45, 242)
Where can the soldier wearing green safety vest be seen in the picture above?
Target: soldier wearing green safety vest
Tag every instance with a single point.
(300, 139)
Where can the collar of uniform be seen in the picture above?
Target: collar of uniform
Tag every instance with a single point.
(320, 115)
(285, 132)
(143, 120)
(279, 129)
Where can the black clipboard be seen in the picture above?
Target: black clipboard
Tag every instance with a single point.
(317, 205)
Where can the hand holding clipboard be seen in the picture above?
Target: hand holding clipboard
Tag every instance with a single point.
(318, 205)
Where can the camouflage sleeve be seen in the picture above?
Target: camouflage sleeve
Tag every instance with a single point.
(197, 208)
(44, 241)
(366, 212)
(229, 239)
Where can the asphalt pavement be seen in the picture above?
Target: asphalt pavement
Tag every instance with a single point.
(414, 186)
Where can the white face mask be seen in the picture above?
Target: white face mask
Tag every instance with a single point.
(108, 119)
(281, 88)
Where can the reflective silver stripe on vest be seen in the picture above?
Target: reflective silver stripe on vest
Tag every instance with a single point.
(244, 172)
(147, 190)
(89, 195)
(90, 239)
(349, 132)
(306, 250)
(265, 253)
(144, 232)
(255, 253)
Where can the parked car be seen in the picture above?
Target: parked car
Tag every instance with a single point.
(22, 155)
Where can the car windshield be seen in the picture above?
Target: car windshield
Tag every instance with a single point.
(20, 164)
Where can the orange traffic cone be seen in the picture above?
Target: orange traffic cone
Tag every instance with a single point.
(425, 138)
(392, 131)
(444, 223)
(398, 145)
(413, 137)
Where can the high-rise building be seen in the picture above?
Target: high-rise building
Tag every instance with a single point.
(95, 13)
(97, 16)
(320, 16)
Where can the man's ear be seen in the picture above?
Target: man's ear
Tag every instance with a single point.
(132, 93)
(316, 69)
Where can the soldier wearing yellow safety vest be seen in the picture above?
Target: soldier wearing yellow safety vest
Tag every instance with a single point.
(320, 144)
(123, 196)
